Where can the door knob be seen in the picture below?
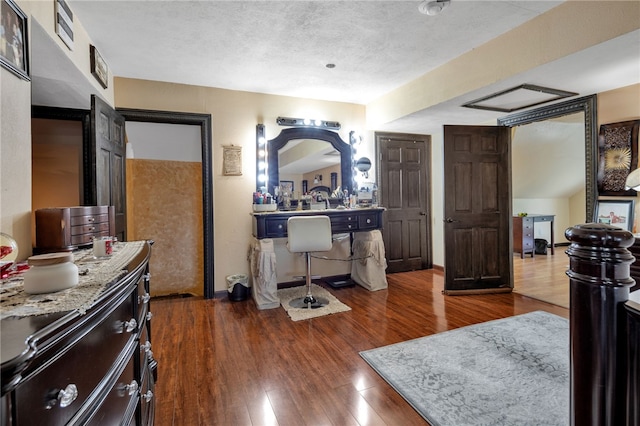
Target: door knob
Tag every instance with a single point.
(449, 220)
(423, 213)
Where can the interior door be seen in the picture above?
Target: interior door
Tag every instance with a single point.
(403, 169)
(477, 209)
(105, 179)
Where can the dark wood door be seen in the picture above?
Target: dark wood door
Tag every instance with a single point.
(105, 169)
(477, 209)
(404, 170)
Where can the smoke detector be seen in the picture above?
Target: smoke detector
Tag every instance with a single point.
(433, 7)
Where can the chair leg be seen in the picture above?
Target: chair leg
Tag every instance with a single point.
(309, 301)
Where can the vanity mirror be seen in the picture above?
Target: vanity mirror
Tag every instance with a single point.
(291, 142)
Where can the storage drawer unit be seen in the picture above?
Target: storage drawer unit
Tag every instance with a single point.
(67, 228)
(523, 242)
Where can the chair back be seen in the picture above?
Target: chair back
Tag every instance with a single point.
(309, 233)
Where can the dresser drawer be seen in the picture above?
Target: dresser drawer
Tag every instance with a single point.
(82, 239)
(119, 405)
(82, 363)
(276, 227)
(368, 221)
(344, 223)
(89, 219)
(90, 228)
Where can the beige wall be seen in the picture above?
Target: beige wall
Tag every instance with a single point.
(234, 117)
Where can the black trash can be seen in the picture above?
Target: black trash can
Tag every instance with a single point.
(238, 287)
(540, 245)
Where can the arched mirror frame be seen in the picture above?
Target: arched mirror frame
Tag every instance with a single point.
(588, 105)
(292, 133)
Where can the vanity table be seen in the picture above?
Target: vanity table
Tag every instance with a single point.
(88, 359)
(524, 231)
(366, 223)
(274, 224)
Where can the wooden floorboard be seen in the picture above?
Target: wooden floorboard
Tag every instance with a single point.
(228, 363)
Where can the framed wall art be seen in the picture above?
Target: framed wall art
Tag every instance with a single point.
(232, 160)
(99, 67)
(287, 186)
(617, 157)
(14, 54)
(64, 23)
(617, 213)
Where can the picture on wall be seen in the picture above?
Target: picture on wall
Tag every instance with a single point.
(14, 55)
(617, 157)
(99, 67)
(617, 213)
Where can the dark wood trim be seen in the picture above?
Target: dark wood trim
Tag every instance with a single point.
(204, 121)
(589, 106)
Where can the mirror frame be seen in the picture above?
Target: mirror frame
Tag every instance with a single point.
(291, 133)
(588, 105)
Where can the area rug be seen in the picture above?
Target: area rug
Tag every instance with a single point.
(288, 294)
(512, 371)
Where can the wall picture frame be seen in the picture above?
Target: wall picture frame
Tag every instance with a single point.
(14, 53)
(99, 67)
(617, 157)
(232, 160)
(617, 213)
(287, 186)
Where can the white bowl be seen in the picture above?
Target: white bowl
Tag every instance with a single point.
(265, 207)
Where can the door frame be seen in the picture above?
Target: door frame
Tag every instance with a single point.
(204, 121)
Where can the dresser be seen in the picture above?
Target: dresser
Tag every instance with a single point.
(524, 231)
(84, 366)
(67, 228)
(523, 235)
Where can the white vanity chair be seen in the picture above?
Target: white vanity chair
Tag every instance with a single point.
(308, 234)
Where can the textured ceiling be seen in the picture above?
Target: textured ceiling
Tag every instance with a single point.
(282, 47)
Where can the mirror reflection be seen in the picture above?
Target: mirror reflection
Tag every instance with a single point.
(303, 160)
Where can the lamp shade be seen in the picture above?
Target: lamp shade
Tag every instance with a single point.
(633, 180)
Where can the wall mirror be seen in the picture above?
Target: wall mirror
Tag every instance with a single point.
(303, 151)
(587, 106)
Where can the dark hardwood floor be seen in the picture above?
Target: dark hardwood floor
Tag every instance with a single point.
(227, 363)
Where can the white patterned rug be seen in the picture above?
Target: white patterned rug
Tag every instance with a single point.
(512, 371)
(297, 314)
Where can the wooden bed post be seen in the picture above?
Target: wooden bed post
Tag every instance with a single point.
(599, 287)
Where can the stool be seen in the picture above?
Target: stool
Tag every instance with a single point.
(308, 234)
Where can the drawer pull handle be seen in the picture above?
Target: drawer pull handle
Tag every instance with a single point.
(91, 219)
(92, 228)
(130, 325)
(280, 226)
(145, 298)
(131, 388)
(148, 396)
(368, 220)
(147, 276)
(149, 316)
(66, 396)
(146, 346)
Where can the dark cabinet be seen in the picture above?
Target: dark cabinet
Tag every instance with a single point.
(523, 235)
(90, 367)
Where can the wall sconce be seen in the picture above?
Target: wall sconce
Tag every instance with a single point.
(307, 122)
(363, 165)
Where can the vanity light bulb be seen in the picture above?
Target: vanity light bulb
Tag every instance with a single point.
(262, 140)
(262, 165)
(262, 178)
(318, 123)
(306, 121)
(261, 153)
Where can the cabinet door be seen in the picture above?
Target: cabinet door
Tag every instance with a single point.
(105, 166)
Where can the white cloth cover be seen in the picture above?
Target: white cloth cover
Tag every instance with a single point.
(263, 274)
(369, 272)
